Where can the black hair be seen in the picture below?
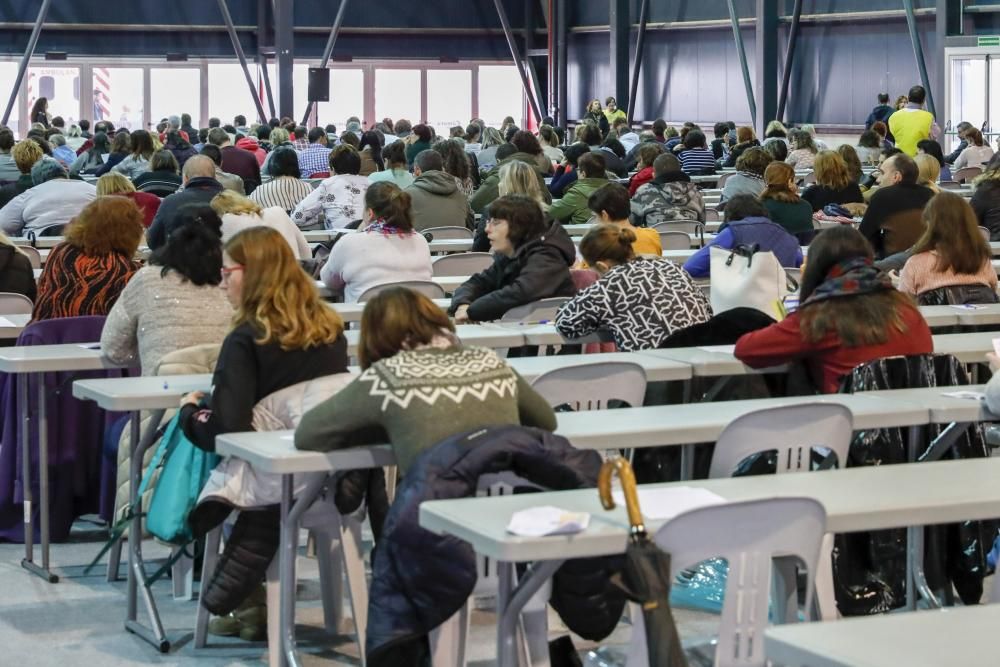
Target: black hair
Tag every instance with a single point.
(240, 121)
(575, 152)
(591, 135)
(164, 160)
(194, 246)
(422, 131)
(175, 139)
(263, 132)
(6, 139)
(917, 95)
(694, 139)
(883, 98)
(394, 153)
(455, 160)
(616, 147)
(525, 221)
(932, 148)
(371, 138)
(344, 159)
(504, 151)
(907, 168)
(720, 130)
(101, 143)
(429, 160)
(84, 124)
(284, 162)
(612, 198)
(869, 139)
(316, 134)
(214, 122)
(659, 127)
(740, 207)
(213, 153)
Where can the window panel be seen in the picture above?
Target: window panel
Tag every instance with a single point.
(61, 86)
(449, 99)
(500, 94)
(175, 90)
(347, 98)
(118, 96)
(397, 94)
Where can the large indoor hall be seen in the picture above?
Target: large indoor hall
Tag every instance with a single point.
(499, 333)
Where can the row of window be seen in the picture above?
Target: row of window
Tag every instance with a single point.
(444, 96)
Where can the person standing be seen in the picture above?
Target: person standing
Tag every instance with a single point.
(912, 123)
(881, 112)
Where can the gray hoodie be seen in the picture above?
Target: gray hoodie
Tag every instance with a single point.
(437, 202)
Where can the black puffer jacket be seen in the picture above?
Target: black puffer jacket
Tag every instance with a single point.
(986, 203)
(539, 269)
(421, 579)
(15, 273)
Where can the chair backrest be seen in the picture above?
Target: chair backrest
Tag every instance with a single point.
(461, 264)
(966, 174)
(592, 386)
(748, 535)
(794, 273)
(950, 185)
(809, 178)
(712, 215)
(985, 232)
(442, 233)
(723, 178)
(686, 226)
(320, 175)
(32, 254)
(792, 430)
(15, 304)
(543, 310)
(428, 288)
(675, 240)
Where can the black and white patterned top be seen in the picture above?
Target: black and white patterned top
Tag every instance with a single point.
(641, 303)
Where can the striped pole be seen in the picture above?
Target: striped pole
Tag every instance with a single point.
(102, 94)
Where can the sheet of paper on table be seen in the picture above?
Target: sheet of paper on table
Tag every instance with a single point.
(547, 520)
(664, 504)
(725, 349)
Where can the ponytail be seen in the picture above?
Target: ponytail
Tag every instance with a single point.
(391, 204)
(608, 242)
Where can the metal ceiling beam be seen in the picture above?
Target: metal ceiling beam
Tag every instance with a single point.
(562, 63)
(43, 11)
(231, 29)
(284, 49)
(918, 53)
(786, 74)
(621, 25)
(738, 37)
(516, 55)
(766, 59)
(328, 50)
(637, 61)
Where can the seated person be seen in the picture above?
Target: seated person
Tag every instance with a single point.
(849, 314)
(565, 174)
(435, 198)
(833, 183)
(749, 176)
(893, 220)
(572, 208)
(239, 212)
(387, 250)
(85, 274)
(648, 153)
(784, 206)
(409, 344)
(531, 262)
(951, 252)
(610, 204)
(747, 223)
(640, 301)
(669, 196)
(53, 200)
(696, 158)
(340, 198)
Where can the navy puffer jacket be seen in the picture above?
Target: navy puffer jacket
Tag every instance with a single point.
(421, 579)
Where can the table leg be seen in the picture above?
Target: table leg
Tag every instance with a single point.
(510, 602)
(291, 512)
(21, 382)
(43, 479)
(136, 571)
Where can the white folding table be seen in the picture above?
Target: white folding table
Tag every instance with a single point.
(855, 499)
(933, 638)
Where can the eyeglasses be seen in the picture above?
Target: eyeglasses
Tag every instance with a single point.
(232, 269)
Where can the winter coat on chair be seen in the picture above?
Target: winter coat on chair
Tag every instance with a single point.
(194, 360)
(869, 568)
(421, 579)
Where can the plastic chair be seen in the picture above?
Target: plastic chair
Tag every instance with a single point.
(809, 178)
(985, 232)
(686, 226)
(428, 288)
(592, 386)
(750, 536)
(723, 178)
(320, 175)
(338, 549)
(793, 431)
(461, 264)
(536, 311)
(674, 240)
(966, 174)
(12, 303)
(33, 255)
(712, 215)
(950, 185)
(451, 232)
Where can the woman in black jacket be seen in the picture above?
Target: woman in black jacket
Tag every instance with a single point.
(986, 199)
(531, 263)
(596, 115)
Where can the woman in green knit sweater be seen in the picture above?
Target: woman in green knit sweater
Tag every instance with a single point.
(419, 385)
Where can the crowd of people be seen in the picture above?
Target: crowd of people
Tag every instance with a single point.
(222, 211)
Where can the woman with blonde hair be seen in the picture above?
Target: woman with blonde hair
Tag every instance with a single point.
(492, 140)
(114, 183)
(833, 185)
(84, 274)
(951, 252)
(516, 178)
(238, 213)
(284, 339)
(784, 206)
(930, 171)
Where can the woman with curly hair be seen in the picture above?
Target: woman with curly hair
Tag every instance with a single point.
(85, 274)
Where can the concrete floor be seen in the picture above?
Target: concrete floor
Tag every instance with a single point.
(78, 622)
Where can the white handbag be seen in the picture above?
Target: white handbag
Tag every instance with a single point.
(746, 277)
